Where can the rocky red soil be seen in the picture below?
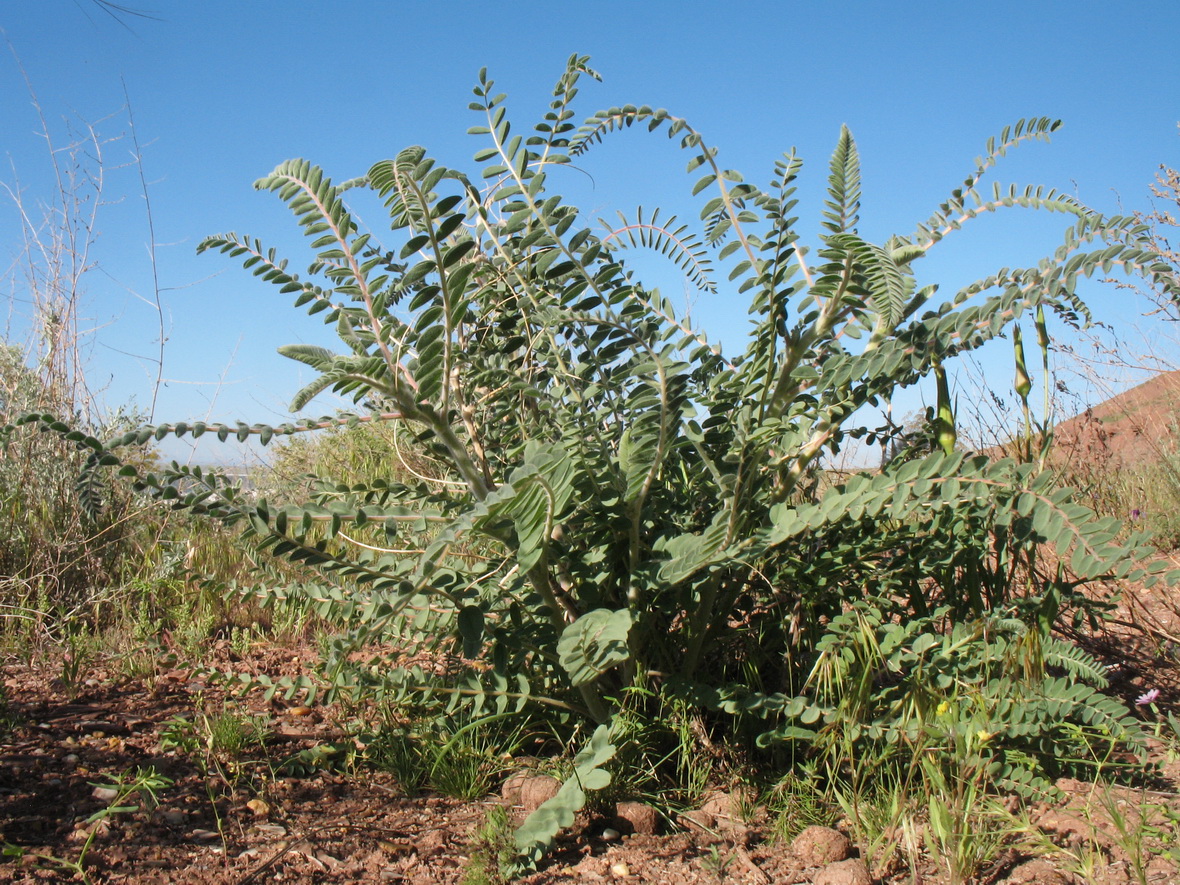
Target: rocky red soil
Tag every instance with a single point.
(246, 820)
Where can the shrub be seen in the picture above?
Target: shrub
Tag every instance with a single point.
(622, 506)
(55, 557)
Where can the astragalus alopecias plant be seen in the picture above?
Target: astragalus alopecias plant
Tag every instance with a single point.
(618, 505)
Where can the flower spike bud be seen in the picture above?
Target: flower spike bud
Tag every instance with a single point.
(944, 418)
(1023, 383)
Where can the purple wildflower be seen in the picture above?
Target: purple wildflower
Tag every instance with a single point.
(1136, 513)
(1149, 698)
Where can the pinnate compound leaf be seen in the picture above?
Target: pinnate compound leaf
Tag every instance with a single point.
(535, 836)
(594, 643)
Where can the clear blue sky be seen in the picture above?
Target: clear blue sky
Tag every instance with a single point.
(223, 91)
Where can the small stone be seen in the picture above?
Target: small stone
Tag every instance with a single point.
(172, 818)
(844, 872)
(105, 794)
(1037, 871)
(610, 835)
(510, 790)
(817, 846)
(82, 832)
(538, 790)
(204, 835)
(70, 759)
(620, 870)
(702, 825)
(640, 817)
(430, 843)
(721, 805)
(327, 860)
(1071, 828)
(1162, 868)
(727, 818)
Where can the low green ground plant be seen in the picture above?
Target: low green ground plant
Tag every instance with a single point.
(718, 861)
(800, 799)
(613, 503)
(224, 741)
(493, 851)
(661, 758)
(465, 760)
(393, 748)
(228, 733)
(468, 765)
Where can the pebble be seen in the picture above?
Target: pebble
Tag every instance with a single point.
(70, 759)
(609, 835)
(620, 870)
(105, 794)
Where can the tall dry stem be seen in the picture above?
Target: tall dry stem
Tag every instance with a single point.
(55, 562)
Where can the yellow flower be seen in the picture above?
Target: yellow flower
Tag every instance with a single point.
(983, 736)
(943, 708)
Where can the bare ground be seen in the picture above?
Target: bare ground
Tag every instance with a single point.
(245, 823)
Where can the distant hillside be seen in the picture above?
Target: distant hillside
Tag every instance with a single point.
(1127, 429)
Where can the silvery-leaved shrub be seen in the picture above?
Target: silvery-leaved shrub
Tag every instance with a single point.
(620, 512)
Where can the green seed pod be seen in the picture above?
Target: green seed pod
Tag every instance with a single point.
(944, 420)
(1042, 330)
(1023, 381)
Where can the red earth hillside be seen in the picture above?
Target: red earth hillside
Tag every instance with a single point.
(1134, 427)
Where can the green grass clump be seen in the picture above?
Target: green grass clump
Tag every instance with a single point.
(492, 850)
